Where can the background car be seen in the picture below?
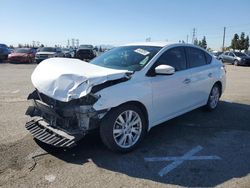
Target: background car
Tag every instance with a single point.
(216, 54)
(48, 52)
(235, 58)
(68, 52)
(4, 52)
(22, 55)
(85, 53)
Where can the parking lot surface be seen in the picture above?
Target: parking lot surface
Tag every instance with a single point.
(198, 149)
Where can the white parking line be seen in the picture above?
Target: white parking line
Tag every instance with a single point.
(12, 92)
(179, 160)
(16, 91)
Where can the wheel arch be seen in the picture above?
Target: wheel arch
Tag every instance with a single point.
(140, 105)
(220, 86)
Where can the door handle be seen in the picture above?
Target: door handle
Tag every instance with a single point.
(210, 75)
(187, 81)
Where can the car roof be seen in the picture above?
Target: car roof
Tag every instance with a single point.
(162, 44)
(159, 44)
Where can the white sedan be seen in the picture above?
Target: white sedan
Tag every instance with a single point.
(124, 92)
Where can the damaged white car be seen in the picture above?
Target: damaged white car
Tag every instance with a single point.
(123, 93)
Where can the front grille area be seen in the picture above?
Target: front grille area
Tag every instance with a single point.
(42, 56)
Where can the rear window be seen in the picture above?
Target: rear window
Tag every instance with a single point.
(196, 57)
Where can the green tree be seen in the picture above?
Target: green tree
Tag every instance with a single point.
(235, 42)
(246, 43)
(242, 41)
(204, 43)
(199, 43)
(196, 42)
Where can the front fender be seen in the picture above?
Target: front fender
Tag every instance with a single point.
(131, 90)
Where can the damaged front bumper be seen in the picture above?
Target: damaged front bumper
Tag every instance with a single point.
(42, 131)
(61, 124)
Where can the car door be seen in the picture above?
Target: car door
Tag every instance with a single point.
(225, 56)
(230, 57)
(171, 93)
(202, 75)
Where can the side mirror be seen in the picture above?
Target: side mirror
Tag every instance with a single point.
(164, 70)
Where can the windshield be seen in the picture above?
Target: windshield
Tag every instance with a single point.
(22, 50)
(47, 49)
(86, 46)
(132, 58)
(239, 54)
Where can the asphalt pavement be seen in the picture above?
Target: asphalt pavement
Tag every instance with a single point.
(197, 149)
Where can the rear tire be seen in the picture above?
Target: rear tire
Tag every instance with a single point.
(213, 98)
(123, 128)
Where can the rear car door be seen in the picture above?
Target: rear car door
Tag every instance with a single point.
(199, 62)
(171, 93)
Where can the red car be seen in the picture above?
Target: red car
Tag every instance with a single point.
(22, 55)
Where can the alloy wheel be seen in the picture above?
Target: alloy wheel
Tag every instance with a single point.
(127, 129)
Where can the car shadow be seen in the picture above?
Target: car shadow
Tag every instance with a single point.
(223, 132)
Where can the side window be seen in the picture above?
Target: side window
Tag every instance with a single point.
(231, 54)
(196, 57)
(208, 58)
(174, 57)
(226, 53)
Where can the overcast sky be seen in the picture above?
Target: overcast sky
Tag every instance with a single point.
(121, 21)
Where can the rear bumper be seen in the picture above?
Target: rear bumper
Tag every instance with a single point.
(19, 59)
(245, 62)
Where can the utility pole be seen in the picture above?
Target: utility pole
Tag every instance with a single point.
(223, 44)
(68, 45)
(193, 37)
(77, 43)
(187, 38)
(73, 43)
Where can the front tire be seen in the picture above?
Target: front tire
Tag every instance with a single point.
(236, 62)
(213, 98)
(123, 128)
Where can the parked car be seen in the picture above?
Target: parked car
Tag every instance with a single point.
(86, 52)
(48, 52)
(22, 55)
(123, 92)
(217, 54)
(4, 52)
(235, 58)
(69, 53)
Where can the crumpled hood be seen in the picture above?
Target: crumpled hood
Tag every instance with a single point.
(65, 79)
